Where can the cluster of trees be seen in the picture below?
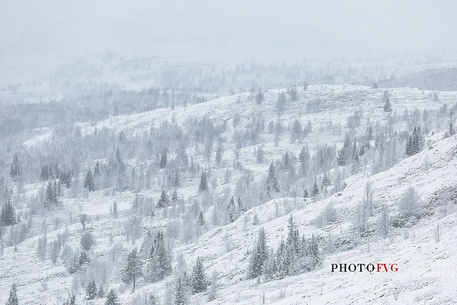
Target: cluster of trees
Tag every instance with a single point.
(294, 255)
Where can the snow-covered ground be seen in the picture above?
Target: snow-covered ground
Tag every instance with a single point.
(427, 266)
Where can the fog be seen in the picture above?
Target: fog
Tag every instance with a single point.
(37, 35)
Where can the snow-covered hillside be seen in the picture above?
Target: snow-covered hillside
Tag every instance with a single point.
(332, 149)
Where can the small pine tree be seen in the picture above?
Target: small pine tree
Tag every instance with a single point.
(232, 211)
(272, 181)
(259, 256)
(8, 215)
(201, 219)
(163, 201)
(13, 300)
(305, 194)
(112, 299)
(100, 292)
(97, 170)
(16, 170)
(133, 269)
(89, 182)
(387, 105)
(91, 290)
(71, 300)
(203, 183)
(180, 294)
(158, 263)
(164, 159)
(199, 281)
(315, 190)
(259, 97)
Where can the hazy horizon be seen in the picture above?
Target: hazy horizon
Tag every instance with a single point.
(35, 35)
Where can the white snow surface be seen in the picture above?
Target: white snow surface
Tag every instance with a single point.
(427, 268)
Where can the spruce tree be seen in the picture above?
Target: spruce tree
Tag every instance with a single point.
(97, 169)
(272, 181)
(232, 211)
(315, 190)
(8, 215)
(163, 201)
(386, 100)
(259, 256)
(71, 300)
(89, 182)
(15, 170)
(133, 269)
(91, 290)
(13, 300)
(199, 280)
(164, 159)
(112, 299)
(180, 293)
(203, 183)
(159, 262)
(100, 292)
(51, 195)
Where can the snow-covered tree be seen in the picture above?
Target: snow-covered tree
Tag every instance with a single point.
(386, 100)
(8, 215)
(199, 280)
(180, 293)
(89, 181)
(13, 300)
(203, 186)
(132, 271)
(91, 290)
(410, 203)
(258, 256)
(112, 298)
(272, 181)
(159, 261)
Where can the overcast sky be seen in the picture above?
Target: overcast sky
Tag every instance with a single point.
(43, 31)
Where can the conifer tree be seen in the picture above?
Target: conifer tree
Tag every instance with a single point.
(272, 181)
(8, 215)
(303, 158)
(201, 219)
(100, 292)
(158, 262)
(112, 299)
(199, 280)
(71, 300)
(164, 159)
(315, 190)
(97, 170)
(305, 194)
(386, 100)
(180, 293)
(13, 300)
(203, 183)
(163, 201)
(232, 210)
(51, 195)
(259, 256)
(91, 290)
(89, 182)
(259, 97)
(133, 269)
(16, 169)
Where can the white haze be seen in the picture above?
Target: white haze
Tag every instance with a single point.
(37, 35)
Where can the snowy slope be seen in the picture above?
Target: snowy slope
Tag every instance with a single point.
(424, 263)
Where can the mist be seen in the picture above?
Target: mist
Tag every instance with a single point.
(38, 35)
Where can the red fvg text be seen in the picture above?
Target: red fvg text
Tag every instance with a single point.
(361, 267)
